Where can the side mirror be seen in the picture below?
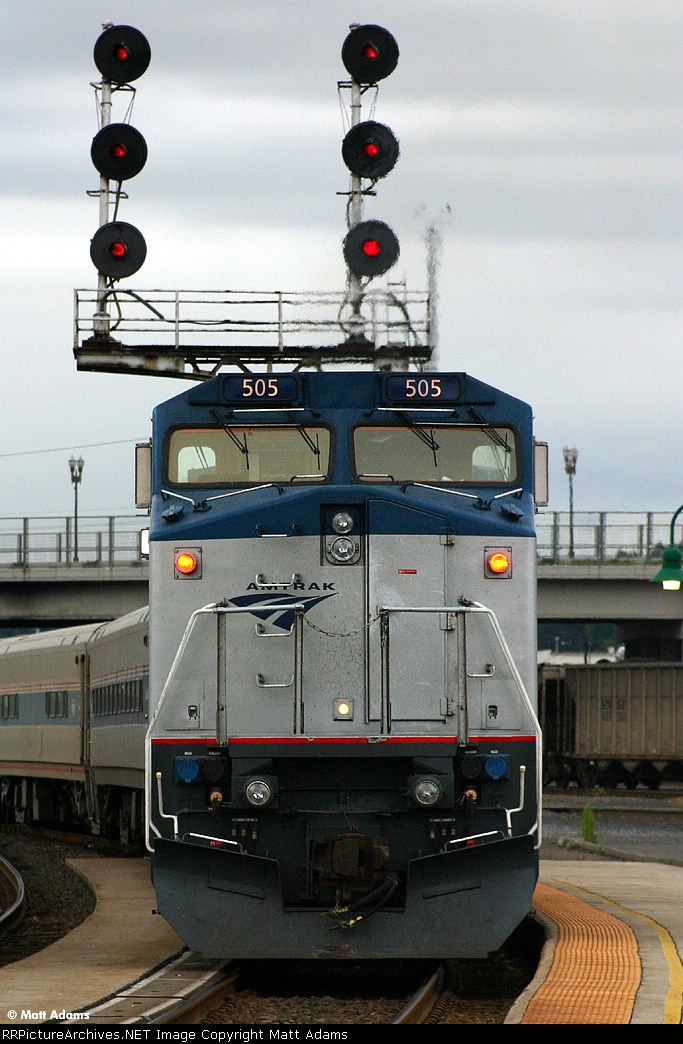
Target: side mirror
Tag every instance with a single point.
(143, 475)
(540, 474)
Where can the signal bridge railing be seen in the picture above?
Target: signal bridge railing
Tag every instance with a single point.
(187, 333)
(117, 539)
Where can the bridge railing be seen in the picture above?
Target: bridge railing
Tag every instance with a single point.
(63, 540)
(584, 536)
(603, 536)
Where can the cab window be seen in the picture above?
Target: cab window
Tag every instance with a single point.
(421, 453)
(214, 456)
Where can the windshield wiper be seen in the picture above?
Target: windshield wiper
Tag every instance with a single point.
(242, 447)
(313, 446)
(492, 434)
(422, 434)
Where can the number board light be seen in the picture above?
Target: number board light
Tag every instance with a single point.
(420, 389)
(262, 390)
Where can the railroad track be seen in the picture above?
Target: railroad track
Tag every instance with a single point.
(671, 790)
(191, 990)
(12, 896)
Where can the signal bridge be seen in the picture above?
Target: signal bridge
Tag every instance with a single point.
(192, 334)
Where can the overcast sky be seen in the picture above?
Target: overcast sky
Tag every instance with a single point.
(542, 138)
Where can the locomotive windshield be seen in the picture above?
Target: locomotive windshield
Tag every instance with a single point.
(211, 456)
(423, 453)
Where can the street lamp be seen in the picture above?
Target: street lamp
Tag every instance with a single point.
(670, 576)
(76, 469)
(570, 457)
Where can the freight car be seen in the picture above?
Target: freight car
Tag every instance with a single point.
(343, 758)
(73, 717)
(612, 724)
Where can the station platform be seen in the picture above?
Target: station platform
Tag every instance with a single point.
(614, 948)
(118, 944)
(612, 956)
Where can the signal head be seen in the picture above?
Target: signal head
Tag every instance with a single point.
(119, 151)
(122, 53)
(370, 248)
(369, 53)
(118, 249)
(370, 150)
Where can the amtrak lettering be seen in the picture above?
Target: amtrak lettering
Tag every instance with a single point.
(277, 606)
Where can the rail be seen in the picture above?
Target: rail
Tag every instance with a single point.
(13, 898)
(587, 536)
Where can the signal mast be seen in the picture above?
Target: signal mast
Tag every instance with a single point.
(193, 334)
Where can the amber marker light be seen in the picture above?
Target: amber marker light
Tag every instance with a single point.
(498, 562)
(187, 562)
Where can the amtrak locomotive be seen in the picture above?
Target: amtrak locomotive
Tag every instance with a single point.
(343, 754)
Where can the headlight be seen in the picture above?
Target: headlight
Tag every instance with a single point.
(427, 792)
(342, 522)
(342, 549)
(258, 793)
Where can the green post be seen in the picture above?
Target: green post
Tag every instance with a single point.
(588, 825)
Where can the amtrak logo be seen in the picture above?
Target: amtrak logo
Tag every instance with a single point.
(278, 609)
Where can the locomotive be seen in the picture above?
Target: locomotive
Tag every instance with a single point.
(343, 754)
(334, 676)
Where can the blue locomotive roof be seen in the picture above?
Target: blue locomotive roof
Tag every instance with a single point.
(342, 401)
(335, 390)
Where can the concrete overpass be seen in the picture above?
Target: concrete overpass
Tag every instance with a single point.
(593, 566)
(649, 620)
(57, 594)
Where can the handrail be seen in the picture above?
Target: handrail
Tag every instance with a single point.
(222, 610)
(461, 610)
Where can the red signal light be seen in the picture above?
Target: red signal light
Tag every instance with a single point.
(371, 248)
(370, 149)
(118, 249)
(369, 53)
(121, 53)
(119, 151)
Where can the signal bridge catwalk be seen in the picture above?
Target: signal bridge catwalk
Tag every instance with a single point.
(192, 334)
